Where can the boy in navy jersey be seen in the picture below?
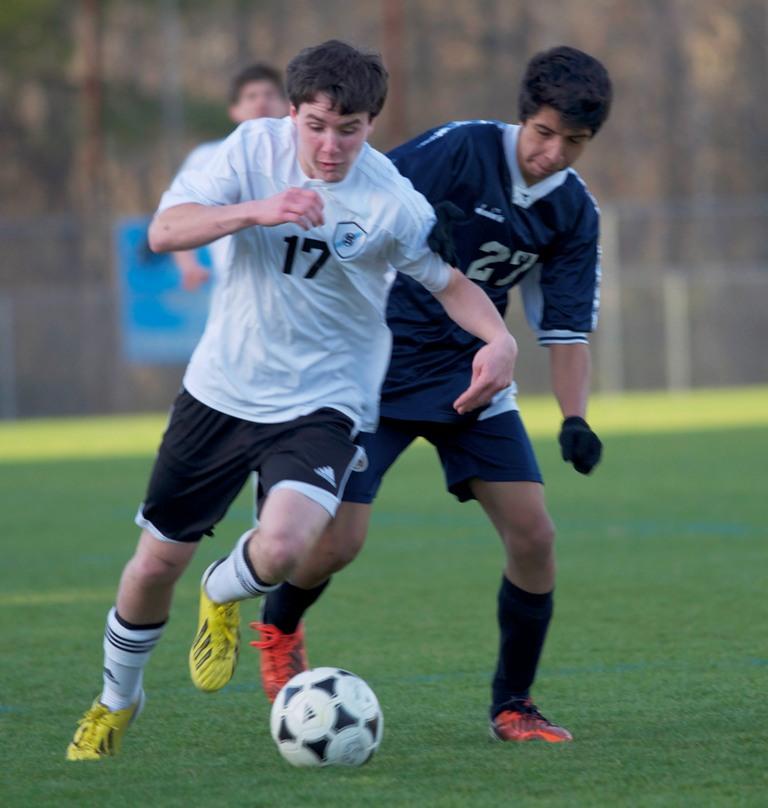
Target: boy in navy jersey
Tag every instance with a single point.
(512, 212)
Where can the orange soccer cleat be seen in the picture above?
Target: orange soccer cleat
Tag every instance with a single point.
(282, 656)
(523, 722)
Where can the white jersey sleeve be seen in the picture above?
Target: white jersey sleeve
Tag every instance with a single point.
(211, 182)
(410, 253)
(198, 160)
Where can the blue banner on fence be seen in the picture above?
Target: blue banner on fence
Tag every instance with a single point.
(160, 322)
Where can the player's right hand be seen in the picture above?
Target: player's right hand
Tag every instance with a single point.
(493, 368)
(299, 206)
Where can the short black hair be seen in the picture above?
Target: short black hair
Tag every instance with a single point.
(354, 80)
(255, 72)
(571, 82)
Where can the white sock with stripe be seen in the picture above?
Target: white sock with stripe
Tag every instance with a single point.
(126, 652)
(234, 577)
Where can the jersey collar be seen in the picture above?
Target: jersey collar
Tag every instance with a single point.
(525, 195)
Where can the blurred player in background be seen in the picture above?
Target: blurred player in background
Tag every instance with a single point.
(512, 212)
(290, 365)
(255, 92)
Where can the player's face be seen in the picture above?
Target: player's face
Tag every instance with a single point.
(545, 145)
(328, 142)
(258, 99)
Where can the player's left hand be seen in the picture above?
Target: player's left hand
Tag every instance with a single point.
(579, 444)
(493, 369)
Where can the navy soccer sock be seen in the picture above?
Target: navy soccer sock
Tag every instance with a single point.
(523, 621)
(285, 606)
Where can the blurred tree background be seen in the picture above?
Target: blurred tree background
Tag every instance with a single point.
(102, 99)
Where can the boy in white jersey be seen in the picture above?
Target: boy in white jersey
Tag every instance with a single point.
(289, 367)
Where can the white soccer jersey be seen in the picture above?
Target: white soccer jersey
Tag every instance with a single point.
(299, 322)
(196, 160)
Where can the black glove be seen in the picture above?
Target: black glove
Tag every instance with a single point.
(579, 444)
(440, 240)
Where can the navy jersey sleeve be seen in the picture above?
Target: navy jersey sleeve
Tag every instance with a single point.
(561, 296)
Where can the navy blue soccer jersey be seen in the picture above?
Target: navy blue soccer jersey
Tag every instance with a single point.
(543, 238)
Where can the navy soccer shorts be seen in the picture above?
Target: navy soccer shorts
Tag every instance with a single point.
(495, 450)
(206, 457)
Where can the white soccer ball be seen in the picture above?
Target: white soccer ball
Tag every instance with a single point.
(326, 717)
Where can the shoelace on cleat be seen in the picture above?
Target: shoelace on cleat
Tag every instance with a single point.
(282, 646)
(271, 635)
(91, 728)
(527, 708)
(223, 620)
(522, 716)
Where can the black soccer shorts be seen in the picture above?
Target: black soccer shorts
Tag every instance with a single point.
(496, 450)
(206, 457)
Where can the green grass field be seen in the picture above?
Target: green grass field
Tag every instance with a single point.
(657, 659)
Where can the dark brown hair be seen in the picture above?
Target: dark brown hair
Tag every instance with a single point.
(354, 80)
(256, 72)
(571, 82)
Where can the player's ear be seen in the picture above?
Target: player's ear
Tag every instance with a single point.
(293, 112)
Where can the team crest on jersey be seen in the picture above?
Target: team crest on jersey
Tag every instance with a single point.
(348, 239)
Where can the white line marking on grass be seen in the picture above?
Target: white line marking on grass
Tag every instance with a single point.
(56, 598)
(66, 596)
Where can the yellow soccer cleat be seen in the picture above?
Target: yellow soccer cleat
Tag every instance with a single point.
(99, 732)
(213, 656)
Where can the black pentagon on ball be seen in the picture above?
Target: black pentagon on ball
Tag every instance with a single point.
(328, 685)
(343, 719)
(290, 692)
(318, 747)
(372, 725)
(284, 734)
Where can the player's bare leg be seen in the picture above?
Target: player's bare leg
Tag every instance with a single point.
(519, 514)
(133, 629)
(339, 545)
(290, 524)
(283, 652)
(146, 585)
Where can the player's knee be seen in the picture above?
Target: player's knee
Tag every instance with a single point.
(531, 541)
(275, 554)
(154, 570)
